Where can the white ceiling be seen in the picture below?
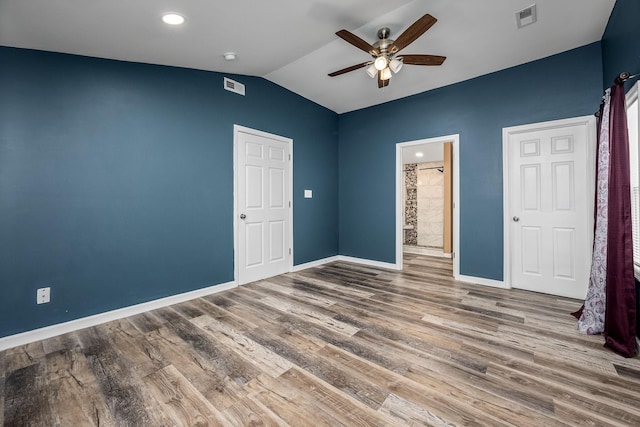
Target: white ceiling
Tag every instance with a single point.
(431, 152)
(293, 42)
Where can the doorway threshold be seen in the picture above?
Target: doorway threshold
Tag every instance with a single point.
(421, 250)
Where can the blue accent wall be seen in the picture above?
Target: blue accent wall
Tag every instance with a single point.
(116, 181)
(561, 86)
(621, 42)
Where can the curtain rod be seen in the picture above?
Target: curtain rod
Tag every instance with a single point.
(623, 76)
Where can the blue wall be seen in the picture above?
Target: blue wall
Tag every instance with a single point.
(116, 181)
(621, 42)
(560, 86)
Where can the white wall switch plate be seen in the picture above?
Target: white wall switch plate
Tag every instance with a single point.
(308, 194)
(43, 295)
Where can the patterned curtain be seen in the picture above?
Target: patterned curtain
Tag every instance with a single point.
(610, 306)
(592, 313)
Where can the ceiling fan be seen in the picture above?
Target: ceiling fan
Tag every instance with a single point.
(385, 51)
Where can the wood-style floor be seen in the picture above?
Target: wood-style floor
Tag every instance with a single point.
(340, 344)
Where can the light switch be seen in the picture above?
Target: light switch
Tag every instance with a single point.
(308, 194)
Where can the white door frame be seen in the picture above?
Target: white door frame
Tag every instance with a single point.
(455, 141)
(236, 130)
(590, 124)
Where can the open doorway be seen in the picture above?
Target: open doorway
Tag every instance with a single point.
(427, 202)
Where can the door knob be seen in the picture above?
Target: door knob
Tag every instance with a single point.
(516, 219)
(242, 216)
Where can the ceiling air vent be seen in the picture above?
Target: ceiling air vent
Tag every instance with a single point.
(234, 86)
(526, 16)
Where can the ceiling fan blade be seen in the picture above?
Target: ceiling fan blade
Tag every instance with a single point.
(348, 69)
(417, 29)
(423, 59)
(382, 83)
(357, 42)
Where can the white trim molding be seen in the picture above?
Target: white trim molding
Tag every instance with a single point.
(108, 316)
(344, 258)
(455, 141)
(482, 281)
(369, 262)
(316, 263)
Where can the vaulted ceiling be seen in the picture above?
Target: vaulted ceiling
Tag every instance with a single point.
(293, 42)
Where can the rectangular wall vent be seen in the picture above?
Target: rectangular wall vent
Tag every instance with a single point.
(526, 16)
(234, 86)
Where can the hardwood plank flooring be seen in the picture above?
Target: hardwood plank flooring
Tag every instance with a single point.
(340, 344)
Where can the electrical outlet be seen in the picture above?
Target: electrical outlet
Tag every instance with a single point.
(43, 295)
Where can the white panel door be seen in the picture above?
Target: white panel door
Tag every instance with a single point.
(549, 204)
(263, 203)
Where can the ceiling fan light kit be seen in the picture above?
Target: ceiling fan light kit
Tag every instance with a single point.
(381, 63)
(395, 65)
(385, 51)
(372, 70)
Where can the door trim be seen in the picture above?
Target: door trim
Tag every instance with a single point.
(587, 121)
(455, 142)
(241, 129)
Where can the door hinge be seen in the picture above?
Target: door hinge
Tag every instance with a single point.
(289, 251)
(289, 156)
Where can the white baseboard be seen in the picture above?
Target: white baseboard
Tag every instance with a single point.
(315, 263)
(344, 258)
(482, 281)
(369, 262)
(97, 319)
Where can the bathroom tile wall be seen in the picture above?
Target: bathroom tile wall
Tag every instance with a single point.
(411, 204)
(430, 204)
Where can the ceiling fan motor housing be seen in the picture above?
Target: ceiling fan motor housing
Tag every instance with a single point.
(385, 41)
(384, 33)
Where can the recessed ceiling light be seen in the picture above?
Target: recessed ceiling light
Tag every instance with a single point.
(419, 154)
(173, 19)
(229, 56)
